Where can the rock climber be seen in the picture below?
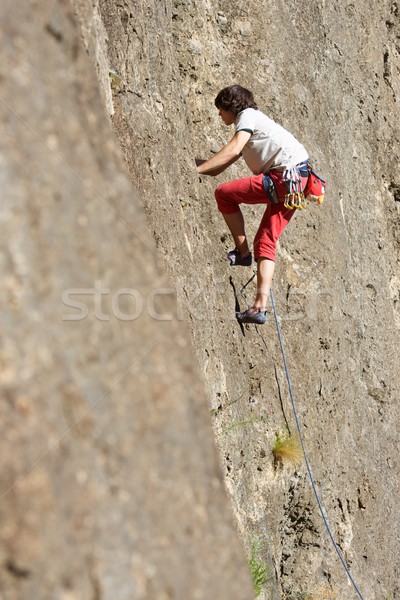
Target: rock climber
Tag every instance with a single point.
(271, 152)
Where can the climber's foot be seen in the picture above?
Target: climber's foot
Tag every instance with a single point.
(252, 315)
(239, 261)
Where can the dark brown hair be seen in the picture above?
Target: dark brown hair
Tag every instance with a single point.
(235, 98)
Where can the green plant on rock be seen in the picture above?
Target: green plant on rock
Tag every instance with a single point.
(259, 571)
(287, 448)
(239, 424)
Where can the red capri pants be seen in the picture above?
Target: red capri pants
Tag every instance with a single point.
(250, 190)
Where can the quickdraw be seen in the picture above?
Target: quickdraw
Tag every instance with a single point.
(294, 198)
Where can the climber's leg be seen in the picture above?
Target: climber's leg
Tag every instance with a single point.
(235, 224)
(229, 196)
(265, 273)
(274, 221)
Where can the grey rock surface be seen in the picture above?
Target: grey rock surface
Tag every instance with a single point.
(111, 488)
(328, 72)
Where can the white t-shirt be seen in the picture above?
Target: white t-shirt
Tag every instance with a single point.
(270, 144)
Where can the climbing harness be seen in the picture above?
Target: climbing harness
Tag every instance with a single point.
(294, 186)
(305, 453)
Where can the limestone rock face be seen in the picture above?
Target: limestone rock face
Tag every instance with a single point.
(329, 73)
(110, 482)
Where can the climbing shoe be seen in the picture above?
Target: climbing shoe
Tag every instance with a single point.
(239, 261)
(252, 315)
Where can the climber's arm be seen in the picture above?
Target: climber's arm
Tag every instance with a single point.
(225, 157)
(216, 171)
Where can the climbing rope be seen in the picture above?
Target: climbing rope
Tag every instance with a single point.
(305, 453)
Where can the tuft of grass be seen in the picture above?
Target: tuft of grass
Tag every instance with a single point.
(322, 593)
(260, 573)
(325, 593)
(287, 448)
